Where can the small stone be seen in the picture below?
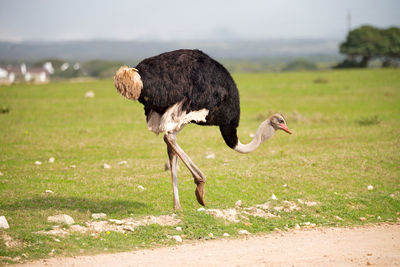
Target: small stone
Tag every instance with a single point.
(122, 162)
(51, 160)
(178, 228)
(201, 209)
(1, 174)
(226, 234)
(369, 263)
(106, 166)
(99, 215)
(57, 240)
(312, 224)
(243, 232)
(370, 187)
(285, 185)
(128, 228)
(307, 223)
(252, 135)
(61, 218)
(297, 226)
(392, 195)
(363, 219)
(141, 187)
(211, 235)
(73, 166)
(3, 223)
(210, 156)
(238, 203)
(379, 218)
(273, 197)
(89, 94)
(49, 191)
(369, 254)
(338, 218)
(177, 238)
(38, 162)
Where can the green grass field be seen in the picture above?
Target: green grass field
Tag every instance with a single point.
(346, 133)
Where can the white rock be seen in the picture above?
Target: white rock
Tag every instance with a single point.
(61, 218)
(211, 235)
(99, 215)
(116, 221)
(379, 217)
(51, 160)
(128, 228)
(226, 234)
(227, 214)
(285, 185)
(106, 166)
(307, 223)
(78, 228)
(1, 174)
(177, 238)
(210, 156)
(273, 197)
(178, 228)
(57, 240)
(49, 191)
(201, 209)
(311, 203)
(89, 94)
(38, 162)
(243, 232)
(122, 162)
(141, 187)
(370, 187)
(297, 226)
(3, 223)
(73, 166)
(238, 204)
(251, 135)
(338, 218)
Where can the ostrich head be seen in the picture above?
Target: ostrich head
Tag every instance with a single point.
(128, 82)
(279, 123)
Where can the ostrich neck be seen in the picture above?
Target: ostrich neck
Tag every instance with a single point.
(264, 132)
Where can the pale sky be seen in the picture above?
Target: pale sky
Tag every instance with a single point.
(168, 20)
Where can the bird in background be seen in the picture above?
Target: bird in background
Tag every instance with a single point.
(187, 86)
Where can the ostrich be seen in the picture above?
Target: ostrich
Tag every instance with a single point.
(187, 86)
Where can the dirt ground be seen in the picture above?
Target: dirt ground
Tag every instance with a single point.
(377, 245)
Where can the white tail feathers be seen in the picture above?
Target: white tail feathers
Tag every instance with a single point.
(128, 82)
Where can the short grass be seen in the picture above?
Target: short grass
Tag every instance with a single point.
(346, 133)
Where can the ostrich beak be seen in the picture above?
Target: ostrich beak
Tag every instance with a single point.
(285, 128)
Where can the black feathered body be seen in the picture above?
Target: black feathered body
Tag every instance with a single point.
(198, 82)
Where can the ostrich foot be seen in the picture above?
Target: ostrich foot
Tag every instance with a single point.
(200, 193)
(177, 207)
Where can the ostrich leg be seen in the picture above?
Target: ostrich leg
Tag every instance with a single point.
(199, 177)
(173, 160)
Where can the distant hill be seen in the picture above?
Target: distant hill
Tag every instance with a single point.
(137, 50)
